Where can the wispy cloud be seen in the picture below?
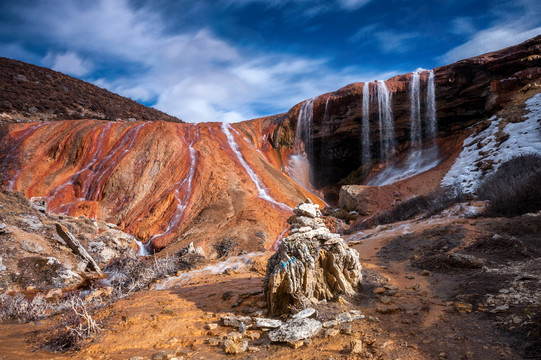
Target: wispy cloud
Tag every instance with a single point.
(194, 75)
(489, 40)
(352, 4)
(307, 7)
(388, 41)
(514, 23)
(68, 62)
(462, 25)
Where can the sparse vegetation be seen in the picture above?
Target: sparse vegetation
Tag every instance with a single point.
(514, 188)
(225, 246)
(58, 97)
(77, 325)
(128, 274)
(422, 206)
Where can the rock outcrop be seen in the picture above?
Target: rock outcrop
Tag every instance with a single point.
(36, 256)
(311, 264)
(467, 91)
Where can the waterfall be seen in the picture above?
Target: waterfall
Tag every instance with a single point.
(365, 136)
(326, 115)
(432, 120)
(261, 189)
(303, 132)
(385, 119)
(183, 191)
(415, 110)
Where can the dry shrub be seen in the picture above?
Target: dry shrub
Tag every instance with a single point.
(507, 247)
(76, 326)
(20, 308)
(128, 274)
(514, 189)
(225, 246)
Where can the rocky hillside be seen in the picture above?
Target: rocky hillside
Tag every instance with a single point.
(160, 181)
(32, 93)
(33, 255)
(171, 183)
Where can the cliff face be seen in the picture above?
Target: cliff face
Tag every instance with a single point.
(467, 91)
(170, 183)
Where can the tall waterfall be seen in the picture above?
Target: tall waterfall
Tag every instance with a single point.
(326, 114)
(415, 112)
(303, 132)
(432, 120)
(365, 136)
(385, 119)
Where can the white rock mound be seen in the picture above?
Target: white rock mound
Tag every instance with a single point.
(311, 264)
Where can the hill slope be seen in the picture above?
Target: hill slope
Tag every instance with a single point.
(34, 93)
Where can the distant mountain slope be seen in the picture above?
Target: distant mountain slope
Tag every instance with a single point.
(34, 93)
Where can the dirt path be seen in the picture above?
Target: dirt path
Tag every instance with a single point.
(411, 312)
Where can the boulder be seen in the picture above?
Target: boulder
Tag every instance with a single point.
(307, 209)
(4, 229)
(2, 266)
(195, 250)
(233, 320)
(364, 199)
(235, 347)
(39, 204)
(310, 266)
(296, 330)
(306, 313)
(262, 323)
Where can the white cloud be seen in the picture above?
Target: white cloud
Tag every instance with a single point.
(394, 41)
(193, 75)
(491, 39)
(514, 22)
(462, 25)
(389, 41)
(68, 63)
(310, 8)
(352, 4)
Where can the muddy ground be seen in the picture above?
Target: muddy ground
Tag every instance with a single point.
(440, 288)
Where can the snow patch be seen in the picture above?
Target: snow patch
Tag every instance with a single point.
(485, 149)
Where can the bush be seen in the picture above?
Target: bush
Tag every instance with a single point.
(225, 246)
(128, 274)
(515, 188)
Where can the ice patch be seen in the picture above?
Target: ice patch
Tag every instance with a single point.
(417, 162)
(524, 138)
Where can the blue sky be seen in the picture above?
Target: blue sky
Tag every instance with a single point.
(231, 60)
